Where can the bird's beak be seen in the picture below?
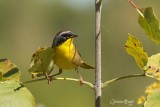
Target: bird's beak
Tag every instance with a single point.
(73, 36)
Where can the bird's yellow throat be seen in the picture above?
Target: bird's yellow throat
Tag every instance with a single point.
(64, 54)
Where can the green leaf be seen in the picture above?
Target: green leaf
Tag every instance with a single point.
(14, 94)
(134, 48)
(42, 62)
(8, 71)
(153, 100)
(150, 24)
(153, 67)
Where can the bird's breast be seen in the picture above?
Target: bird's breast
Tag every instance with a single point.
(64, 55)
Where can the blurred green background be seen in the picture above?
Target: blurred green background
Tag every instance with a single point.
(26, 25)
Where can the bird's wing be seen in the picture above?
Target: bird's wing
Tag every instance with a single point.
(78, 61)
(77, 57)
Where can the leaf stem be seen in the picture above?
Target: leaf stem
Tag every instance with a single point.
(105, 84)
(136, 7)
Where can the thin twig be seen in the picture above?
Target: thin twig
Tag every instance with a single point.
(35, 80)
(105, 84)
(61, 78)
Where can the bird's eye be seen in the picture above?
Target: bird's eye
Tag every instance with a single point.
(65, 35)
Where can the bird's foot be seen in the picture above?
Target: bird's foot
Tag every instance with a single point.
(49, 78)
(81, 81)
(80, 77)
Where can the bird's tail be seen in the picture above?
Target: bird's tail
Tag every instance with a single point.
(86, 66)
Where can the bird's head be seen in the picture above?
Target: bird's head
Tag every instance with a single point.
(62, 36)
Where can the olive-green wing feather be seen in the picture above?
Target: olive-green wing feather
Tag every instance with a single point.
(77, 60)
(86, 66)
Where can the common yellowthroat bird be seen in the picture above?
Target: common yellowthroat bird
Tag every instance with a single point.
(67, 56)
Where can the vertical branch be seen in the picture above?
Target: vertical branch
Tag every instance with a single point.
(98, 6)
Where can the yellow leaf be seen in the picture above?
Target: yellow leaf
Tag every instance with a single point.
(42, 62)
(134, 48)
(152, 69)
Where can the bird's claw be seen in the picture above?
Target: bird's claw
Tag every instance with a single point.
(49, 78)
(81, 81)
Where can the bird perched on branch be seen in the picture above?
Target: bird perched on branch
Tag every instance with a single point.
(67, 56)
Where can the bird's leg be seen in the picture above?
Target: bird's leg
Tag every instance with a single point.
(47, 75)
(80, 77)
(50, 78)
(44, 74)
(60, 72)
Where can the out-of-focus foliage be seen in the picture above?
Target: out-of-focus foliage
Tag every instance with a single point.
(153, 99)
(150, 24)
(9, 71)
(12, 92)
(152, 69)
(149, 90)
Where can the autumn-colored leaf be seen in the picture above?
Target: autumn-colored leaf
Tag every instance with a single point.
(152, 69)
(134, 48)
(12, 92)
(8, 71)
(42, 62)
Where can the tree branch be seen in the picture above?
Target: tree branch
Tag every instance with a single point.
(98, 92)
